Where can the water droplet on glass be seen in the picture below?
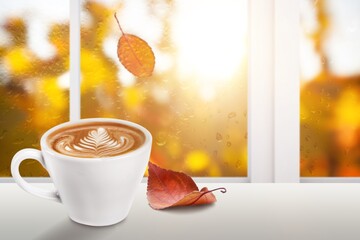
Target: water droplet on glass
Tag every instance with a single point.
(30, 109)
(35, 145)
(161, 139)
(228, 144)
(18, 141)
(31, 162)
(184, 86)
(2, 134)
(347, 151)
(215, 153)
(314, 7)
(227, 136)
(246, 135)
(307, 138)
(238, 164)
(219, 137)
(323, 61)
(232, 115)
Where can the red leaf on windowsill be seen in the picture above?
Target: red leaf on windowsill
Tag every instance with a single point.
(168, 188)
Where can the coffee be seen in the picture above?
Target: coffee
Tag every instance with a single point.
(96, 139)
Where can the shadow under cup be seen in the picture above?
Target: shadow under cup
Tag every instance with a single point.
(95, 191)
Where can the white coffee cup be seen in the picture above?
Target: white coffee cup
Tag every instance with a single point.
(94, 191)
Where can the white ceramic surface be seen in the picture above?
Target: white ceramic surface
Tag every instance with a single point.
(95, 191)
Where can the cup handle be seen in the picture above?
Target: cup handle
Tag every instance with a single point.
(29, 153)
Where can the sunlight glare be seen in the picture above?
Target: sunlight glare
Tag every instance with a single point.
(210, 37)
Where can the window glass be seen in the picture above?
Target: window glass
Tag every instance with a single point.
(34, 65)
(330, 88)
(195, 102)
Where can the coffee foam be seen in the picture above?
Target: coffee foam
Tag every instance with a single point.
(94, 140)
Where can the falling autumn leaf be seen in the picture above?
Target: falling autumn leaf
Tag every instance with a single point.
(135, 54)
(168, 188)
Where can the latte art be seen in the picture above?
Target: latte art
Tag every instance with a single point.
(97, 141)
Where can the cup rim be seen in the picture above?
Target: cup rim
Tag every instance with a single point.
(142, 148)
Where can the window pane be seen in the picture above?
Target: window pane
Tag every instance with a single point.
(195, 103)
(34, 80)
(330, 88)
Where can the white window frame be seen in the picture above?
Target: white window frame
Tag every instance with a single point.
(75, 48)
(274, 93)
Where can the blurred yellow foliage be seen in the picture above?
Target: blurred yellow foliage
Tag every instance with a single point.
(53, 102)
(132, 97)
(53, 96)
(197, 160)
(19, 60)
(347, 109)
(57, 34)
(93, 70)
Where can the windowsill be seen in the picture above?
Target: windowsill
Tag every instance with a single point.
(246, 211)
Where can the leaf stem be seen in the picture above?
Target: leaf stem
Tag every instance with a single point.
(222, 189)
(117, 20)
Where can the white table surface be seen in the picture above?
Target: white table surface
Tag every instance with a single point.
(246, 211)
